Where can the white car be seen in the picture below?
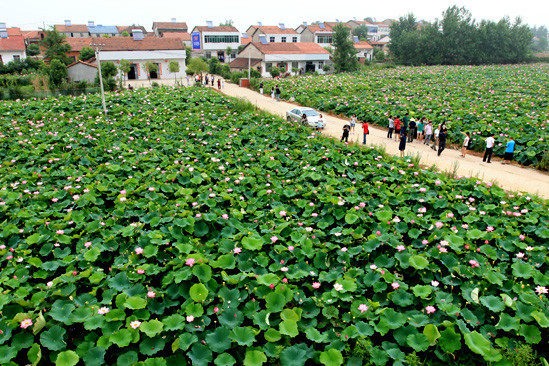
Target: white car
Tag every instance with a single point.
(296, 115)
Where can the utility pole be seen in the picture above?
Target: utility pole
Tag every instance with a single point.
(249, 63)
(97, 47)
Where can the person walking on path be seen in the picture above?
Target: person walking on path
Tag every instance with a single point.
(442, 141)
(320, 124)
(405, 122)
(397, 128)
(213, 81)
(273, 93)
(353, 123)
(365, 131)
(435, 139)
(391, 127)
(402, 145)
(420, 127)
(428, 133)
(261, 88)
(346, 129)
(490, 141)
(219, 84)
(277, 92)
(412, 130)
(465, 144)
(508, 157)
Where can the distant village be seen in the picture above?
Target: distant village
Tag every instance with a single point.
(303, 49)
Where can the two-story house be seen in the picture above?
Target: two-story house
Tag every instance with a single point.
(273, 33)
(373, 29)
(12, 44)
(70, 30)
(321, 33)
(211, 41)
(160, 29)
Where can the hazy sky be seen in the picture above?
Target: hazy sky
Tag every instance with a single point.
(31, 14)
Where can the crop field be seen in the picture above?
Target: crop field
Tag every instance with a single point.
(187, 228)
(510, 100)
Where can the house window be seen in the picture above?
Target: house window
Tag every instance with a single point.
(294, 39)
(325, 39)
(320, 64)
(271, 39)
(208, 55)
(283, 39)
(268, 66)
(221, 39)
(16, 58)
(295, 65)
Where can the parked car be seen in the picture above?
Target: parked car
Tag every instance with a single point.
(296, 115)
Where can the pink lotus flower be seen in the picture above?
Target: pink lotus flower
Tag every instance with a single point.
(439, 224)
(190, 318)
(362, 308)
(190, 262)
(225, 216)
(151, 189)
(274, 238)
(291, 248)
(87, 244)
(26, 323)
(425, 242)
(122, 199)
(316, 285)
(430, 309)
(400, 248)
(520, 255)
(541, 290)
(284, 269)
(373, 266)
(103, 310)
(434, 283)
(474, 263)
(138, 250)
(489, 229)
(237, 250)
(151, 294)
(140, 271)
(60, 232)
(521, 237)
(395, 285)
(216, 310)
(344, 249)
(135, 324)
(282, 213)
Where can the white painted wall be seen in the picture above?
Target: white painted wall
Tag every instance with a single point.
(80, 72)
(319, 64)
(140, 58)
(7, 56)
(219, 46)
(278, 37)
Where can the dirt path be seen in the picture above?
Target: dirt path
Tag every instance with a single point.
(510, 177)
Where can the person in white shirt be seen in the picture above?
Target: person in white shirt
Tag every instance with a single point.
(428, 132)
(435, 139)
(465, 144)
(391, 127)
(320, 124)
(490, 141)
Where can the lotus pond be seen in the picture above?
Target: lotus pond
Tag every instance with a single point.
(187, 228)
(508, 100)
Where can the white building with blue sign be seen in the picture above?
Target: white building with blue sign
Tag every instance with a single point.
(210, 41)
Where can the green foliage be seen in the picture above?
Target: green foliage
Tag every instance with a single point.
(127, 254)
(86, 53)
(274, 71)
(173, 66)
(58, 72)
(56, 48)
(361, 31)
(344, 54)
(125, 34)
(457, 39)
(150, 67)
(33, 49)
(196, 66)
(214, 67)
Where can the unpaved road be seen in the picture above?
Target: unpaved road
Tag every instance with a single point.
(510, 177)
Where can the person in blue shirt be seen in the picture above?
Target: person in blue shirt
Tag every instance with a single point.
(509, 151)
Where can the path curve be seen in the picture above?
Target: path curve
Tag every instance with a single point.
(510, 177)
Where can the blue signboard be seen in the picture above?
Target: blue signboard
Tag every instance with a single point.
(196, 40)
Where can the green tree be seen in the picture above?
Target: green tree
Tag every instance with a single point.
(108, 71)
(361, 31)
(33, 49)
(58, 72)
(125, 34)
(229, 52)
(400, 45)
(173, 67)
(227, 22)
(86, 53)
(214, 66)
(197, 66)
(149, 68)
(344, 55)
(55, 46)
(274, 71)
(125, 67)
(188, 53)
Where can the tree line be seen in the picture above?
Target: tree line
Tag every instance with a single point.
(457, 39)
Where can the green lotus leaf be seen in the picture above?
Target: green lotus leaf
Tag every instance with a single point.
(272, 335)
(449, 340)
(95, 356)
(52, 338)
(135, 302)
(477, 343)
(224, 359)
(244, 336)
(331, 357)
(121, 338)
(200, 355)
(67, 358)
(419, 342)
(254, 358)
(219, 341)
(198, 292)
(289, 327)
(296, 355)
(418, 262)
(523, 270)
(151, 327)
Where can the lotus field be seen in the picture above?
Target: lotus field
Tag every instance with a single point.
(187, 228)
(507, 100)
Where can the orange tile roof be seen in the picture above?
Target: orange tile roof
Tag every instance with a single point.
(245, 40)
(289, 48)
(170, 25)
(130, 28)
(184, 36)
(361, 45)
(269, 29)
(75, 28)
(315, 28)
(14, 42)
(77, 43)
(14, 31)
(127, 43)
(222, 28)
(31, 34)
(242, 63)
(82, 62)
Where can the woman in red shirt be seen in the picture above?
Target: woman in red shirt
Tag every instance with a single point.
(397, 128)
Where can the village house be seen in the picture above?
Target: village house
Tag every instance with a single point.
(273, 33)
(211, 41)
(129, 29)
(321, 33)
(373, 29)
(294, 57)
(82, 71)
(72, 31)
(365, 51)
(160, 29)
(12, 44)
(33, 36)
(102, 30)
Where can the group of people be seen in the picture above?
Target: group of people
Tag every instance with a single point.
(350, 128)
(275, 91)
(206, 80)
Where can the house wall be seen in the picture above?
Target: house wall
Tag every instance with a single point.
(219, 46)
(7, 56)
(76, 34)
(81, 72)
(140, 58)
(301, 61)
(277, 37)
(307, 36)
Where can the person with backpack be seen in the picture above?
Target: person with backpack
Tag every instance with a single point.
(412, 130)
(428, 133)
(402, 145)
(435, 138)
(261, 88)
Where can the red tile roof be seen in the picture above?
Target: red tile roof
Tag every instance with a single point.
(77, 43)
(268, 29)
(222, 28)
(82, 62)
(127, 43)
(14, 42)
(289, 48)
(170, 25)
(362, 45)
(130, 28)
(245, 40)
(242, 63)
(31, 34)
(184, 36)
(75, 28)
